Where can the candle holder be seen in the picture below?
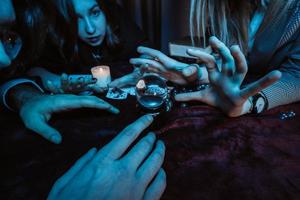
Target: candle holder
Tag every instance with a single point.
(152, 94)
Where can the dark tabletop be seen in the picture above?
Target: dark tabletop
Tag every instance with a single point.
(208, 156)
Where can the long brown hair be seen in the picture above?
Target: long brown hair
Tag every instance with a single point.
(229, 19)
(67, 38)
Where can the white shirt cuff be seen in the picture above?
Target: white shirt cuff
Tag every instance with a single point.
(4, 89)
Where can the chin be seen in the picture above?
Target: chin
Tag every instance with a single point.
(94, 44)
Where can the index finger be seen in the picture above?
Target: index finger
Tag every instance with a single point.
(155, 54)
(66, 102)
(228, 61)
(40, 126)
(208, 60)
(117, 147)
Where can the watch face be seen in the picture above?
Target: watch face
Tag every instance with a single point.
(260, 104)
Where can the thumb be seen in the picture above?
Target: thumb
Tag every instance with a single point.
(190, 72)
(116, 83)
(126, 80)
(42, 128)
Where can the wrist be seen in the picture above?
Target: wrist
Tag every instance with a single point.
(19, 95)
(247, 106)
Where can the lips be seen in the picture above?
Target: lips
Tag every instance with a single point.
(94, 39)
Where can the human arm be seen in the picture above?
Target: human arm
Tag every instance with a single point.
(36, 108)
(226, 91)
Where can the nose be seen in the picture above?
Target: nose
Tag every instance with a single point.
(5, 60)
(89, 26)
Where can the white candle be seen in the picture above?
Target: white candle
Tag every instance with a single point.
(102, 74)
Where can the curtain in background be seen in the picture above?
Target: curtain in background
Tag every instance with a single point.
(162, 20)
(147, 14)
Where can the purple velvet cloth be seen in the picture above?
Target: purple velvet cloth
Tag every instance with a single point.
(208, 156)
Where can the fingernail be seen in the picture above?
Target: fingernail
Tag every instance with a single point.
(236, 47)
(151, 135)
(188, 71)
(161, 143)
(177, 97)
(213, 38)
(93, 150)
(115, 110)
(56, 139)
(154, 115)
(190, 50)
(149, 117)
(140, 49)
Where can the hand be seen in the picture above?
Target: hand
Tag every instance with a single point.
(36, 111)
(127, 80)
(225, 91)
(70, 85)
(113, 174)
(174, 71)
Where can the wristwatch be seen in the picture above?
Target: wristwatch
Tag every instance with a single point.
(259, 103)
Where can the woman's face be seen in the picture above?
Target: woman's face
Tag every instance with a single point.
(91, 22)
(7, 17)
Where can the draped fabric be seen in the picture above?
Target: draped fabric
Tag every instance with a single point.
(147, 14)
(208, 155)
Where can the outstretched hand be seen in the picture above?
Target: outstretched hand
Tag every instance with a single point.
(225, 90)
(37, 111)
(114, 173)
(177, 72)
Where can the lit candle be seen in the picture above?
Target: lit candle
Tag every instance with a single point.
(102, 74)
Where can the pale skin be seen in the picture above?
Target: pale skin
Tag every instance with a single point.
(180, 73)
(225, 90)
(96, 175)
(92, 26)
(65, 83)
(113, 174)
(36, 110)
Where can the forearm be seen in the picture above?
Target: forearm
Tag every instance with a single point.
(285, 91)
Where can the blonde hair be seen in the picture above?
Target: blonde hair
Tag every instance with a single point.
(229, 19)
